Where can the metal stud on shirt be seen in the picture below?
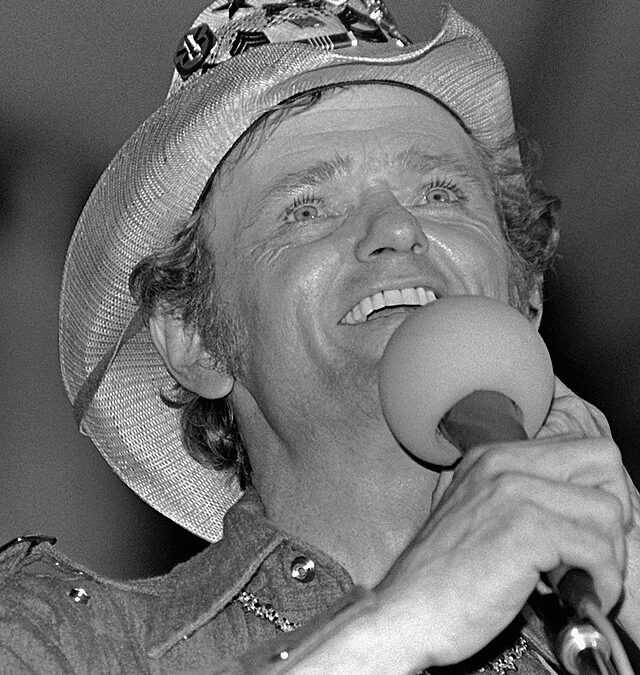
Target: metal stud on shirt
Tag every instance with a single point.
(79, 596)
(303, 569)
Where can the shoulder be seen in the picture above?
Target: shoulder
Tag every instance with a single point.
(56, 617)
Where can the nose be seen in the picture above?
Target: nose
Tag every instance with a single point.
(389, 228)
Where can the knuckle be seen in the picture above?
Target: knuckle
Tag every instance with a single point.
(602, 450)
(609, 450)
(509, 492)
(491, 459)
(506, 488)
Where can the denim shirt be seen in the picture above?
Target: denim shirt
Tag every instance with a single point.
(57, 617)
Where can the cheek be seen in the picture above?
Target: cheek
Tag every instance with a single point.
(490, 250)
(290, 296)
(290, 273)
(493, 265)
(273, 289)
(479, 254)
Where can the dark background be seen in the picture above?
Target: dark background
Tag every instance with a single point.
(76, 78)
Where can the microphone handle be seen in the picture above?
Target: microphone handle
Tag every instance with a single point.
(491, 417)
(483, 417)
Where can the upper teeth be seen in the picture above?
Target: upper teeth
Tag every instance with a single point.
(404, 296)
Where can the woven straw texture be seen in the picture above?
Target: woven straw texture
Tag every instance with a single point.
(151, 187)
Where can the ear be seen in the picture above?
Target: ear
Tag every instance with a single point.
(535, 304)
(185, 357)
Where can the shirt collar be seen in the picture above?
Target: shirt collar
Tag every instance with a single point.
(197, 590)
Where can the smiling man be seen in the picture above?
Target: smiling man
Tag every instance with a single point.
(375, 194)
(311, 180)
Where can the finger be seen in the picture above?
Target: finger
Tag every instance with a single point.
(635, 498)
(516, 527)
(567, 525)
(561, 389)
(585, 549)
(500, 509)
(571, 415)
(585, 509)
(594, 463)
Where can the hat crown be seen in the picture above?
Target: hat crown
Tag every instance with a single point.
(228, 28)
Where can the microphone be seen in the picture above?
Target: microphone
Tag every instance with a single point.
(449, 349)
(468, 370)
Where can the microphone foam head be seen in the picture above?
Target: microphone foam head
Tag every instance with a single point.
(449, 349)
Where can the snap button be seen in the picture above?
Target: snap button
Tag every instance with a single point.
(303, 569)
(79, 596)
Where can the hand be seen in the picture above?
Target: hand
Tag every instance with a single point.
(510, 512)
(629, 611)
(572, 415)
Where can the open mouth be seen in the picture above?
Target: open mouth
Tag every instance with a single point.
(385, 303)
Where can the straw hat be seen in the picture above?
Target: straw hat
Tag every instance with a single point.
(239, 59)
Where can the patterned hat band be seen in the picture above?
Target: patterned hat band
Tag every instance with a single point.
(229, 29)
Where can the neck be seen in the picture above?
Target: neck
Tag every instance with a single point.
(360, 524)
(360, 502)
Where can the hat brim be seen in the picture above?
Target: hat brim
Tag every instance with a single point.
(149, 190)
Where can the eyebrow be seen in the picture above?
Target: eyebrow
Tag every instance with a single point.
(414, 159)
(310, 176)
(420, 161)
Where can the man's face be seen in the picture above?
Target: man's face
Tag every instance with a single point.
(373, 198)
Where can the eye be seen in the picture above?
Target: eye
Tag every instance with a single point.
(443, 192)
(303, 209)
(435, 195)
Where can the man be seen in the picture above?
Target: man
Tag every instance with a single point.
(275, 221)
